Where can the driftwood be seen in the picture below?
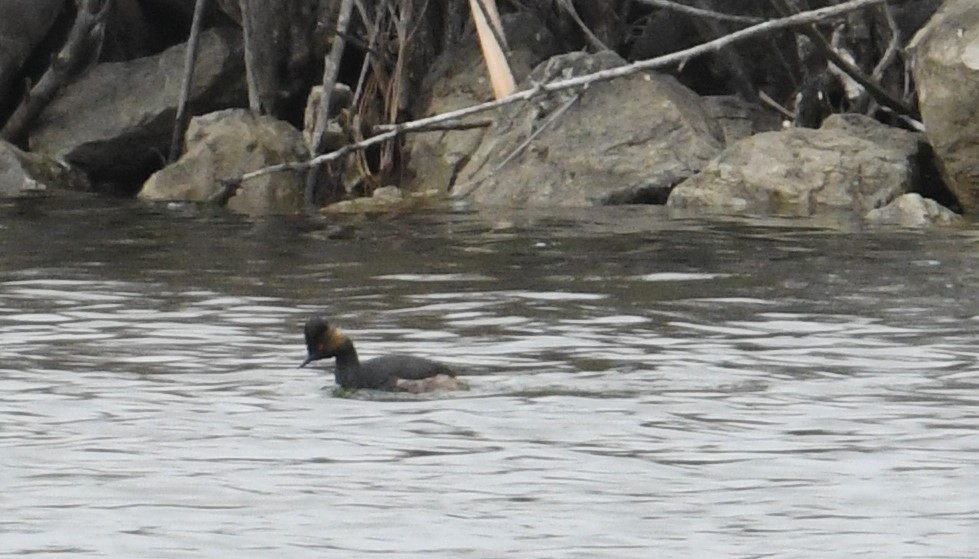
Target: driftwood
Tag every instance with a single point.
(84, 38)
(802, 18)
(190, 60)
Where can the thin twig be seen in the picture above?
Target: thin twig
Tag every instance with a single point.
(578, 81)
(395, 86)
(890, 55)
(876, 91)
(767, 99)
(440, 127)
(190, 59)
(331, 70)
(699, 12)
(596, 43)
(540, 129)
(373, 31)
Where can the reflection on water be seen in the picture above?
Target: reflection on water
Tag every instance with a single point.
(641, 388)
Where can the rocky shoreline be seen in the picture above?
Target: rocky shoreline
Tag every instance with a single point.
(646, 138)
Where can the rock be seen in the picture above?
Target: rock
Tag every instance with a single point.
(802, 172)
(23, 25)
(128, 33)
(867, 128)
(624, 141)
(30, 174)
(738, 118)
(928, 179)
(320, 15)
(458, 79)
(389, 194)
(282, 39)
(945, 64)
(913, 212)
(115, 120)
(385, 199)
(227, 144)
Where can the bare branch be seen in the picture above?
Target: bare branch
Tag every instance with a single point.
(801, 18)
(89, 25)
(331, 69)
(440, 127)
(595, 42)
(881, 96)
(540, 130)
(699, 12)
(373, 30)
(767, 99)
(190, 58)
(890, 55)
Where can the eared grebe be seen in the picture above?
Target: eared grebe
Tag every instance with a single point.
(397, 373)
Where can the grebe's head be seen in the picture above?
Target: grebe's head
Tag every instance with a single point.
(322, 340)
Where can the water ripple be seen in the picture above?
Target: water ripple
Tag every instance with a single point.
(661, 406)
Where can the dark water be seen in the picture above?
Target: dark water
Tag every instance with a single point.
(641, 387)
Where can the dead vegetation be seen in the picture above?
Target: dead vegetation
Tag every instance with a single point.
(804, 59)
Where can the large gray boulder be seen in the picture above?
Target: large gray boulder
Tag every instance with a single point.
(945, 63)
(117, 118)
(872, 130)
(802, 172)
(624, 141)
(738, 118)
(227, 144)
(23, 25)
(458, 79)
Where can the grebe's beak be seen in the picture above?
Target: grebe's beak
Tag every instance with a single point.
(311, 356)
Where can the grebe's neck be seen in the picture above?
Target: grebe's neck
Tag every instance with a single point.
(347, 361)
